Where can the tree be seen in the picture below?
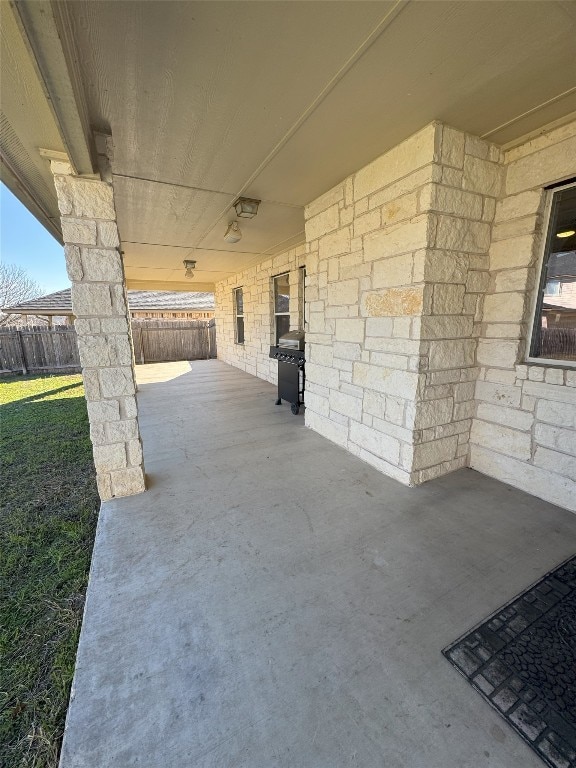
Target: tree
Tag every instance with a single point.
(16, 286)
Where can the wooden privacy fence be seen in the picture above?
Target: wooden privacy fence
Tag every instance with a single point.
(159, 341)
(558, 343)
(39, 349)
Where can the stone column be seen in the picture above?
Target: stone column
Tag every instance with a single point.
(95, 268)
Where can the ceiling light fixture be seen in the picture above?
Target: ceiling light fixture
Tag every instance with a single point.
(246, 207)
(189, 266)
(566, 233)
(233, 234)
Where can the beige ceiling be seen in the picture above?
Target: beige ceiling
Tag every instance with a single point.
(281, 100)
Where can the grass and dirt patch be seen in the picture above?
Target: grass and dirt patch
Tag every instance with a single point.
(48, 513)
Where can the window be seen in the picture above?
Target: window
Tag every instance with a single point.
(239, 315)
(554, 330)
(281, 305)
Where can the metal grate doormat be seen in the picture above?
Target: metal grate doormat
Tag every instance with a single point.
(522, 660)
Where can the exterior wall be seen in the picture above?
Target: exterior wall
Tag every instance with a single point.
(402, 250)
(102, 325)
(420, 271)
(256, 282)
(525, 428)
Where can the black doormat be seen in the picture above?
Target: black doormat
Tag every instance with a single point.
(522, 660)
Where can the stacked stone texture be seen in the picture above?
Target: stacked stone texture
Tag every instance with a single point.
(258, 298)
(95, 268)
(420, 269)
(525, 429)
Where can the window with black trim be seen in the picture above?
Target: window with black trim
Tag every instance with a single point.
(281, 305)
(554, 329)
(239, 315)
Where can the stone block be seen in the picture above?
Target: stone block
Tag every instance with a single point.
(540, 168)
(349, 330)
(477, 282)
(482, 176)
(346, 405)
(128, 407)
(444, 267)
(504, 307)
(78, 231)
(505, 230)
(128, 482)
(367, 223)
(452, 147)
(393, 271)
(109, 457)
(329, 199)
(322, 223)
(507, 417)
(91, 299)
(447, 299)
(393, 302)
(91, 199)
(555, 437)
(501, 438)
(114, 325)
(317, 403)
(400, 208)
(108, 234)
(116, 381)
(477, 147)
(401, 238)
(457, 202)
(514, 280)
(455, 234)
(540, 482)
(386, 380)
(103, 410)
(556, 462)
(104, 485)
(499, 394)
(562, 414)
(73, 263)
(554, 376)
(497, 353)
(335, 243)
(102, 265)
(337, 433)
(523, 204)
(549, 391)
(434, 452)
(122, 430)
(451, 353)
(377, 443)
(431, 413)
(413, 153)
(134, 453)
(344, 350)
(343, 292)
(511, 254)
(91, 384)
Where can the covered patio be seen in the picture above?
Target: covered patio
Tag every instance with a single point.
(274, 601)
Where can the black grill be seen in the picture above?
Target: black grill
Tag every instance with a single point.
(291, 374)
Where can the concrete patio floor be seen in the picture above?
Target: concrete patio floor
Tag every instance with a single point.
(273, 601)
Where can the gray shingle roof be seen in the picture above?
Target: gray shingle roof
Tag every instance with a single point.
(60, 303)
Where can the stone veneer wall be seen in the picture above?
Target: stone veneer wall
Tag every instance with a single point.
(99, 303)
(256, 282)
(402, 263)
(412, 314)
(525, 428)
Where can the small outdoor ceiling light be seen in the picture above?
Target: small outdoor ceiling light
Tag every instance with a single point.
(233, 234)
(566, 233)
(189, 266)
(246, 207)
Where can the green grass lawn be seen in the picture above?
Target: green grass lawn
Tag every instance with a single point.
(48, 512)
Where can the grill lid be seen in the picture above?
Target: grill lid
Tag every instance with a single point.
(292, 340)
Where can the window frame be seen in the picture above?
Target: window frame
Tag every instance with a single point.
(238, 316)
(279, 314)
(538, 296)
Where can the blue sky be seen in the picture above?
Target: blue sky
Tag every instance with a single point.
(25, 242)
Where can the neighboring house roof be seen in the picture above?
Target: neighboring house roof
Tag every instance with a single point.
(60, 303)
